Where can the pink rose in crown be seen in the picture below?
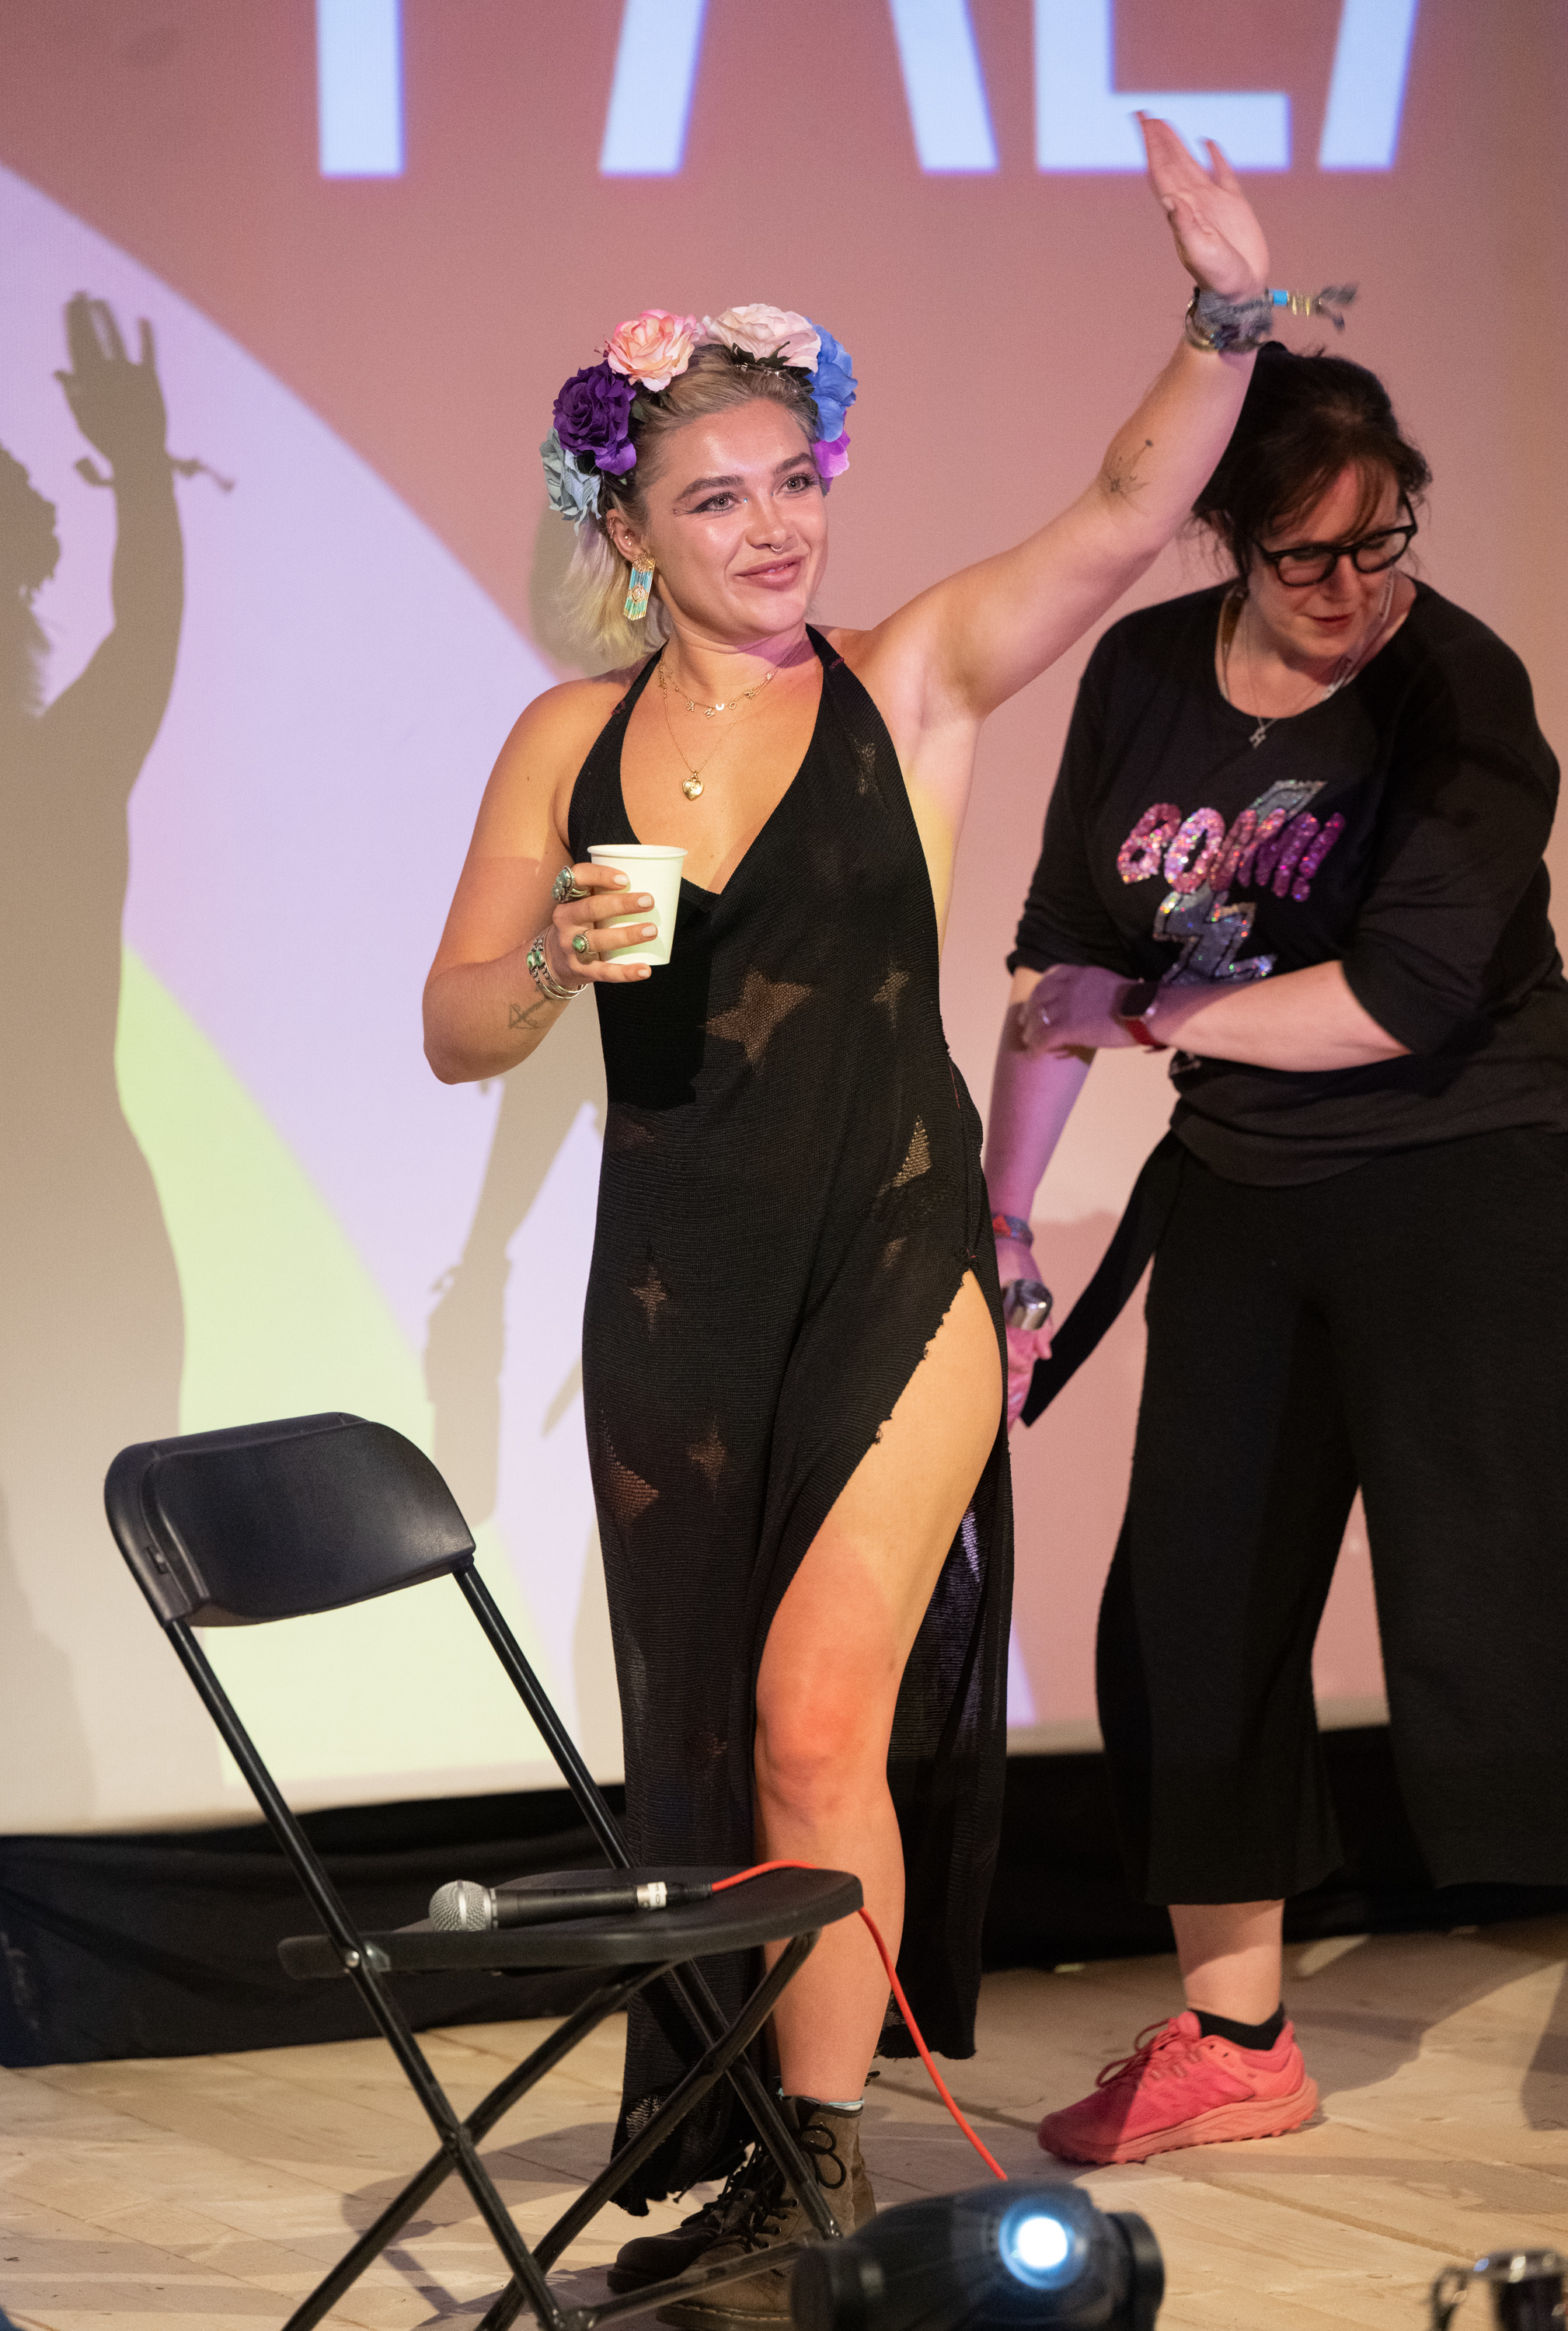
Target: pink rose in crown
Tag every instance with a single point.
(653, 347)
(758, 331)
(833, 457)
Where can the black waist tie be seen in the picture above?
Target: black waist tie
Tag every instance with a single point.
(1126, 1259)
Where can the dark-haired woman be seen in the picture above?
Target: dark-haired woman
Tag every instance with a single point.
(1295, 844)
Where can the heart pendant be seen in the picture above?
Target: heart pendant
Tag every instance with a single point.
(691, 787)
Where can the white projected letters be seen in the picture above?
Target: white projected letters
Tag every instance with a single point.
(1366, 93)
(650, 95)
(359, 87)
(1084, 122)
(942, 82)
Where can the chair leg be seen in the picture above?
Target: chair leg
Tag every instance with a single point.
(689, 1988)
(457, 2144)
(688, 1985)
(714, 2065)
(594, 2011)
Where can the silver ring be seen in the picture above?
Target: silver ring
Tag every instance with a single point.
(1025, 1305)
(565, 887)
(583, 945)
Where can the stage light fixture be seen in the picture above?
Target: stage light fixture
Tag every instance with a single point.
(994, 2260)
(1526, 2287)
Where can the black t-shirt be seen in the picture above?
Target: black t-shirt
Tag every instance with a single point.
(1396, 828)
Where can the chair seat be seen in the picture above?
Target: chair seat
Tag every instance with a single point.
(768, 1909)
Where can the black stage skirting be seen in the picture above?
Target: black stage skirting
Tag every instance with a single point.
(166, 1944)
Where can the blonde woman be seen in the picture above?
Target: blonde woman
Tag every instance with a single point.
(793, 1362)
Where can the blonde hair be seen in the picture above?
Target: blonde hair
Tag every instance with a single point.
(594, 588)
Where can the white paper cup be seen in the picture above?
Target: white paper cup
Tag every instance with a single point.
(654, 867)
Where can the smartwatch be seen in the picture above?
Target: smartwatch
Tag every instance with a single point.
(1133, 1011)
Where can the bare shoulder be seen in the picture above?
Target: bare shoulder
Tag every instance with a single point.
(885, 660)
(537, 766)
(567, 718)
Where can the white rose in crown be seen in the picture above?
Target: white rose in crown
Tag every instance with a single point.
(758, 331)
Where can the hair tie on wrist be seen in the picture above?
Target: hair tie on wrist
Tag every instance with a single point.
(1231, 326)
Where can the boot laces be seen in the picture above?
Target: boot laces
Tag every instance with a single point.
(763, 2199)
(1154, 2041)
(735, 2194)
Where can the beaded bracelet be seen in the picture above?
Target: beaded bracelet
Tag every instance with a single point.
(1231, 327)
(553, 990)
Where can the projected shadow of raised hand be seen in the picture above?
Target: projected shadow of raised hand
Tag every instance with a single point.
(90, 1330)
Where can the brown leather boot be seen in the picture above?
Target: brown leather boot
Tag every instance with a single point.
(648, 2259)
(831, 2141)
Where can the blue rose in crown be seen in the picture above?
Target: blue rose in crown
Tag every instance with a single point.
(833, 385)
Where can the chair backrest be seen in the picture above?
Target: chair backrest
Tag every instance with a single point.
(273, 1521)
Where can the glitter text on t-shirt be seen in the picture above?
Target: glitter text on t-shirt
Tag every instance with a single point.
(1276, 842)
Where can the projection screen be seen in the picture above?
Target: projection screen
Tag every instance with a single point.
(369, 243)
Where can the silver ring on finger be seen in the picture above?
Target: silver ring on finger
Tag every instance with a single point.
(565, 887)
(583, 946)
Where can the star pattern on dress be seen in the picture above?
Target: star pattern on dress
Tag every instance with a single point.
(651, 1293)
(623, 1131)
(918, 1160)
(891, 991)
(710, 1457)
(626, 1493)
(753, 1020)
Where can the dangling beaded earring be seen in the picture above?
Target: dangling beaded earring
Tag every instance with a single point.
(641, 582)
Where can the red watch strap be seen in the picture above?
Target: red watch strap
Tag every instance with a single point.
(1141, 1033)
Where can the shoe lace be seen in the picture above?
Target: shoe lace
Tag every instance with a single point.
(735, 2191)
(1153, 2040)
(761, 2208)
(759, 2218)
(818, 2141)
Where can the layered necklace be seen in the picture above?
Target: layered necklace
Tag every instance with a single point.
(1320, 691)
(691, 784)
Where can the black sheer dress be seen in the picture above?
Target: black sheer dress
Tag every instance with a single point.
(790, 1199)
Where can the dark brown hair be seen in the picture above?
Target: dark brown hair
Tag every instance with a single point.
(1304, 418)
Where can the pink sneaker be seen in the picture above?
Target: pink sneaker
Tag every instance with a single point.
(1179, 2088)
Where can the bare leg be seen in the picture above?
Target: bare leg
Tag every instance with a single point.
(829, 1681)
(1230, 1958)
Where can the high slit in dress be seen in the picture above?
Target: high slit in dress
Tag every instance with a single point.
(790, 1198)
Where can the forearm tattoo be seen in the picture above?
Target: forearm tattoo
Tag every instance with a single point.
(527, 1016)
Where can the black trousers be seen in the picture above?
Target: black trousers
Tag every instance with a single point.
(1402, 1328)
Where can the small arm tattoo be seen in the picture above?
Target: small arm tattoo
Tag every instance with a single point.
(521, 1015)
(1126, 482)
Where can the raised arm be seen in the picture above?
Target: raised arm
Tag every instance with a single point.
(982, 635)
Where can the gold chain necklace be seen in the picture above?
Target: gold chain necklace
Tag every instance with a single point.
(727, 704)
(691, 784)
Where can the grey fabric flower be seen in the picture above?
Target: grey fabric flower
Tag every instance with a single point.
(574, 496)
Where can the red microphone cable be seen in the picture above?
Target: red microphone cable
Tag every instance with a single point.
(722, 1885)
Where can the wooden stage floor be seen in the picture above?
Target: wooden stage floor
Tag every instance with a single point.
(214, 2191)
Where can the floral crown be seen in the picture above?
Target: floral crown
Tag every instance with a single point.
(592, 438)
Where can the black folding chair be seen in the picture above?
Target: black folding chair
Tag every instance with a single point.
(315, 1513)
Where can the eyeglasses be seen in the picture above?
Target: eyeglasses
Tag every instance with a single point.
(1302, 564)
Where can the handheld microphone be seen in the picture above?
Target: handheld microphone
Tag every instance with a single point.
(465, 1905)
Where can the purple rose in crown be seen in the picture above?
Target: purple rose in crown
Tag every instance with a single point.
(593, 416)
